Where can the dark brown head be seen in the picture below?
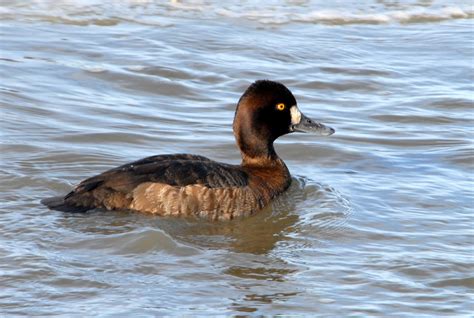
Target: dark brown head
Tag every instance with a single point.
(266, 111)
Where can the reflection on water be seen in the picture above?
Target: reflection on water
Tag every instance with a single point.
(378, 220)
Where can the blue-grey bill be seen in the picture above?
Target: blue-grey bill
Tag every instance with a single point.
(308, 125)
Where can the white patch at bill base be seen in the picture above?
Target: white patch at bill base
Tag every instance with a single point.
(295, 115)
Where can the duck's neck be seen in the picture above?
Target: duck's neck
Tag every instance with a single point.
(255, 150)
(265, 156)
(259, 154)
(269, 176)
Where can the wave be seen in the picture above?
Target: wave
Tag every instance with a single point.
(276, 12)
(338, 17)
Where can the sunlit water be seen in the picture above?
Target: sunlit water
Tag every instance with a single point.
(379, 218)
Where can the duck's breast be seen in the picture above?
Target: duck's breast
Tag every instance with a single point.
(221, 203)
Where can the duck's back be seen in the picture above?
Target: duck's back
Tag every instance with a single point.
(178, 184)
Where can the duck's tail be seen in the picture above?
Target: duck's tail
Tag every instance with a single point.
(59, 204)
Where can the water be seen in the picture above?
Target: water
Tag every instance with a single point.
(378, 221)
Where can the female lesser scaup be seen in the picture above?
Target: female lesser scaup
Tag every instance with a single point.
(190, 185)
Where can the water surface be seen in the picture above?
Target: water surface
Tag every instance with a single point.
(378, 221)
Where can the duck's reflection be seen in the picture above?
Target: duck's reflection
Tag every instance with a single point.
(249, 255)
(258, 234)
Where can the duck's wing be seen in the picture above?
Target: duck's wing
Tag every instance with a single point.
(114, 188)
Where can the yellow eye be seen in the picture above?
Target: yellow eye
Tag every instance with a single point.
(281, 106)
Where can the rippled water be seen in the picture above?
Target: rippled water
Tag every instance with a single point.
(378, 221)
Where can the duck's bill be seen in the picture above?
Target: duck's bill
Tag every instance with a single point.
(308, 125)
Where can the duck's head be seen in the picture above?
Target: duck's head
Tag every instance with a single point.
(266, 111)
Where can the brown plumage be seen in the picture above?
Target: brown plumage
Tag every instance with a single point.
(191, 185)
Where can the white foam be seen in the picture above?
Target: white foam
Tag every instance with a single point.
(272, 12)
(95, 69)
(340, 17)
(135, 68)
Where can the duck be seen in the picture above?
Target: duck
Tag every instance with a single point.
(187, 185)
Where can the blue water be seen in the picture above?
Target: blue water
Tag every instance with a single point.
(379, 218)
